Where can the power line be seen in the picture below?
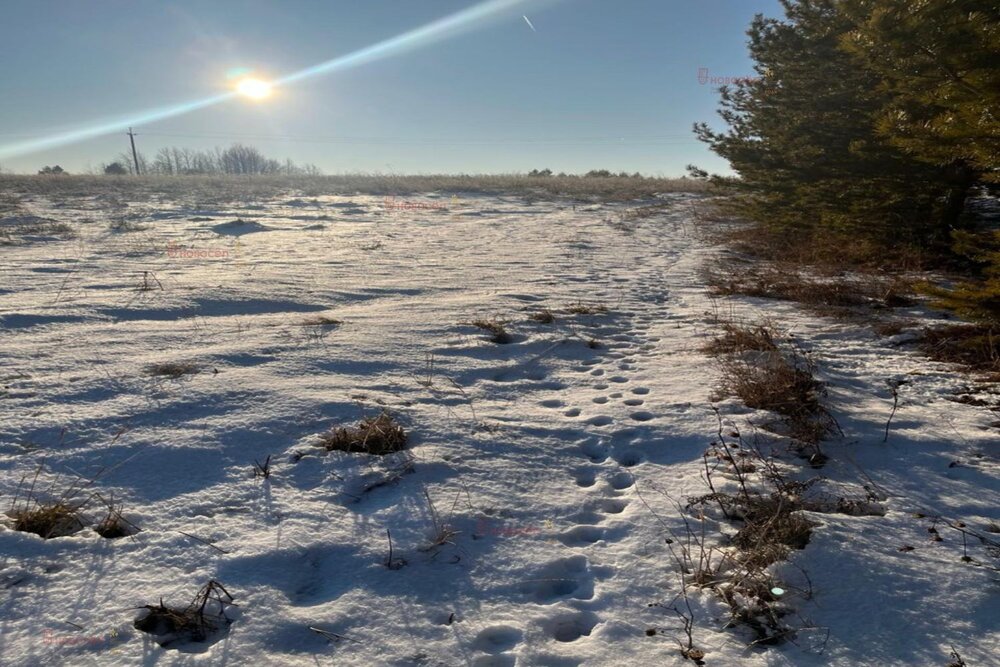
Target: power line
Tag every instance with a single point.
(661, 140)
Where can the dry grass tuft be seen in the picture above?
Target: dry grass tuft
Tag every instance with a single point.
(59, 515)
(173, 369)
(497, 330)
(48, 520)
(114, 524)
(378, 435)
(544, 316)
(739, 338)
(320, 321)
(205, 615)
(581, 308)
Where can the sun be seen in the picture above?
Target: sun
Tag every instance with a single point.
(255, 89)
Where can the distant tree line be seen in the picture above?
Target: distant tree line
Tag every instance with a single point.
(871, 124)
(234, 160)
(593, 173)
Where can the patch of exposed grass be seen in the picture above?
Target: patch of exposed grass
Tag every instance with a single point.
(497, 330)
(321, 321)
(828, 296)
(581, 308)
(211, 188)
(173, 369)
(974, 346)
(378, 435)
(821, 250)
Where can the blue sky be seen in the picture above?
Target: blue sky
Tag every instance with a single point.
(599, 84)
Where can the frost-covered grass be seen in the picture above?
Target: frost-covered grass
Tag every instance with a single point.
(541, 506)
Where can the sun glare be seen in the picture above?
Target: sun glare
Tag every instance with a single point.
(255, 89)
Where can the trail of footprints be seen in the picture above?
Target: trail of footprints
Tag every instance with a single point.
(606, 470)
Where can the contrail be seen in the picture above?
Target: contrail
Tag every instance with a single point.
(448, 26)
(526, 20)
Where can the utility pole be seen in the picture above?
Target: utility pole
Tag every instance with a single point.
(135, 157)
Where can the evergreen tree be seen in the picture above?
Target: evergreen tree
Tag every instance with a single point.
(939, 61)
(803, 138)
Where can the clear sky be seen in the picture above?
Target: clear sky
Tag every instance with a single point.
(597, 84)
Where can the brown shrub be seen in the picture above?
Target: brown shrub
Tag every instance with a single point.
(738, 338)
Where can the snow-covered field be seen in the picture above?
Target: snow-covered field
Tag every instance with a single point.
(547, 469)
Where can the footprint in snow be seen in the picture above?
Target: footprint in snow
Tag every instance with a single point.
(497, 639)
(629, 458)
(597, 452)
(581, 536)
(564, 578)
(612, 505)
(621, 480)
(571, 626)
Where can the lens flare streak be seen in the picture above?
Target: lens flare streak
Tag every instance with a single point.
(448, 26)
